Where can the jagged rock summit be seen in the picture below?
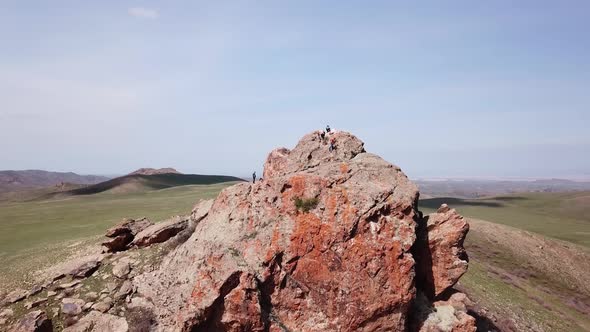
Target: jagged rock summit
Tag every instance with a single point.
(325, 242)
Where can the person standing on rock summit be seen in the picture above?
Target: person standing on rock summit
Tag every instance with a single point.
(328, 129)
(254, 177)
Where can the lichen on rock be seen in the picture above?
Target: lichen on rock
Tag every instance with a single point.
(255, 262)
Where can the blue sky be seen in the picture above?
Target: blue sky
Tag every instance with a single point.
(455, 88)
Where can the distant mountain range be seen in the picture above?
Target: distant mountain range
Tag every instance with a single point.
(465, 188)
(37, 184)
(154, 171)
(31, 179)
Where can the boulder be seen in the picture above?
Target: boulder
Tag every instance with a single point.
(129, 226)
(34, 321)
(444, 315)
(160, 232)
(121, 269)
(117, 243)
(322, 244)
(85, 269)
(99, 322)
(439, 252)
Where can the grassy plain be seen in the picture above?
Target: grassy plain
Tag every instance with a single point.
(563, 216)
(35, 234)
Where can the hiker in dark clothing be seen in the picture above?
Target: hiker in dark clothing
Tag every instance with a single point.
(254, 177)
(322, 135)
(328, 129)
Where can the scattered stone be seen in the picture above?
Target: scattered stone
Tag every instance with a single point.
(6, 313)
(85, 269)
(15, 296)
(126, 289)
(34, 321)
(87, 306)
(55, 312)
(92, 296)
(67, 285)
(99, 322)
(442, 315)
(36, 303)
(58, 277)
(160, 232)
(69, 292)
(35, 290)
(111, 286)
(121, 269)
(128, 226)
(60, 296)
(69, 321)
(118, 243)
(51, 293)
(72, 307)
(104, 305)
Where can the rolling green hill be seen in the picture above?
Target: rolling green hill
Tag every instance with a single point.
(530, 282)
(564, 216)
(141, 183)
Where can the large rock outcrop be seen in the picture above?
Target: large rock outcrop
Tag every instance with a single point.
(439, 251)
(325, 242)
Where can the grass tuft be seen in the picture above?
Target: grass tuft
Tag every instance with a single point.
(305, 204)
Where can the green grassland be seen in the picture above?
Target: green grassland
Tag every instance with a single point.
(564, 216)
(36, 233)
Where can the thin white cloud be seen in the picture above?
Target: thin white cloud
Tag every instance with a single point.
(142, 12)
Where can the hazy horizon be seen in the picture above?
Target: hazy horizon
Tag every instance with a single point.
(454, 89)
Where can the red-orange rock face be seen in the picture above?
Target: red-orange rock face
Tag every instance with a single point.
(322, 244)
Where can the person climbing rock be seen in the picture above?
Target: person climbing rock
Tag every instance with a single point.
(254, 177)
(328, 129)
(332, 144)
(322, 135)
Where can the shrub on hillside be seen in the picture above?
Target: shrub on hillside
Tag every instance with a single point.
(305, 204)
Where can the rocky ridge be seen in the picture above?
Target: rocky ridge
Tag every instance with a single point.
(328, 241)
